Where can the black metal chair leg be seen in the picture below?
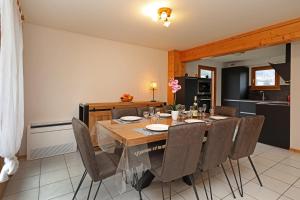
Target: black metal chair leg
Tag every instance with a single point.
(80, 183)
(253, 167)
(210, 190)
(90, 190)
(194, 186)
(204, 186)
(211, 196)
(140, 194)
(97, 190)
(170, 192)
(162, 190)
(239, 186)
(228, 181)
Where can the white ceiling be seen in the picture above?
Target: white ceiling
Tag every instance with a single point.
(195, 22)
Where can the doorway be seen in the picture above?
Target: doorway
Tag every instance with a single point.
(207, 85)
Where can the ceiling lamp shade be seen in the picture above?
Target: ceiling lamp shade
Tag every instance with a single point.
(164, 15)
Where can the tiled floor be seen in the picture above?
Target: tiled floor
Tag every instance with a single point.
(56, 178)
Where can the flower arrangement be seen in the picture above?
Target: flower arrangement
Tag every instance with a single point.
(173, 84)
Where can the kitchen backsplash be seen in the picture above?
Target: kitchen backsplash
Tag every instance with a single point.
(275, 95)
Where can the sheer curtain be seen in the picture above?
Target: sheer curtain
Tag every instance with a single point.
(11, 86)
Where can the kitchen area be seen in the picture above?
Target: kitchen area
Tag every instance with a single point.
(255, 82)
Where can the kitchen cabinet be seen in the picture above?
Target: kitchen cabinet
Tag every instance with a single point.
(189, 89)
(276, 128)
(235, 83)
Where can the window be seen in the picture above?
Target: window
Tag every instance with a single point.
(264, 78)
(205, 73)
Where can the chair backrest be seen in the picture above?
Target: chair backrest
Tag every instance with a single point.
(121, 112)
(247, 136)
(85, 147)
(218, 144)
(182, 150)
(226, 111)
(141, 110)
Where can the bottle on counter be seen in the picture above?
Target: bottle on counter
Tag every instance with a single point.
(195, 105)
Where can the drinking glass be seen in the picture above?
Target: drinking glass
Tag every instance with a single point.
(200, 110)
(204, 108)
(151, 111)
(190, 114)
(146, 114)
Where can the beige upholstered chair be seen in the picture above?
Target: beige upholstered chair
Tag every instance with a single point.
(245, 143)
(217, 148)
(226, 111)
(181, 155)
(99, 166)
(121, 112)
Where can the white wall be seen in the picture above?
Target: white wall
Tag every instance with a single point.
(62, 69)
(192, 68)
(295, 96)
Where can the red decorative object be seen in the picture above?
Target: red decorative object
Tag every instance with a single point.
(126, 98)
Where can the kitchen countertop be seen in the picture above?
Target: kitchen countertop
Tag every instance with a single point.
(269, 102)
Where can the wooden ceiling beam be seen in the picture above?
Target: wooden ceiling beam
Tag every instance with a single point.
(280, 33)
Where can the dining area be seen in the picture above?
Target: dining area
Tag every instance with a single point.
(142, 144)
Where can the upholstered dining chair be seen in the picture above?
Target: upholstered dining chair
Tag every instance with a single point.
(244, 145)
(216, 149)
(117, 113)
(99, 166)
(181, 155)
(226, 111)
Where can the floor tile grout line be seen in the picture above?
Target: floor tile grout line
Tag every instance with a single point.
(288, 188)
(39, 190)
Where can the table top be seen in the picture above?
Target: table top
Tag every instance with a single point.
(127, 134)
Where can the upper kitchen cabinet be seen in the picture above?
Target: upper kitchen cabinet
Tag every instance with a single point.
(235, 83)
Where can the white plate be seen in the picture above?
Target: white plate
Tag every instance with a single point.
(130, 118)
(218, 117)
(157, 127)
(193, 120)
(165, 115)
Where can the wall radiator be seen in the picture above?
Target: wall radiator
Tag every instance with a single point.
(50, 139)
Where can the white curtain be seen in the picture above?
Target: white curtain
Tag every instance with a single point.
(11, 86)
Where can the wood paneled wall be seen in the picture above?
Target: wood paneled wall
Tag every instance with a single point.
(280, 33)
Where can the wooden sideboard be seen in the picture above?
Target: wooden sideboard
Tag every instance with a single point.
(90, 113)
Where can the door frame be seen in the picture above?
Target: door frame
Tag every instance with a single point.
(214, 70)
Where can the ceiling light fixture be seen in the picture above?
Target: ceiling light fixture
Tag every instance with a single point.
(164, 15)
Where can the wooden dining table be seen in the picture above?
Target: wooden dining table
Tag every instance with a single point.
(127, 134)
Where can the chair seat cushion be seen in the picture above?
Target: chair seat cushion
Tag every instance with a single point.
(106, 165)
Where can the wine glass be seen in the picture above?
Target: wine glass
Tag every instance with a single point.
(204, 108)
(200, 110)
(151, 111)
(146, 114)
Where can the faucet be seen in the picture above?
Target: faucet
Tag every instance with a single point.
(263, 95)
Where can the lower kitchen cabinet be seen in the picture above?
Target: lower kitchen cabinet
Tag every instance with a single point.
(276, 129)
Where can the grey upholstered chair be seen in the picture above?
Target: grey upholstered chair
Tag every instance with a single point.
(226, 111)
(117, 113)
(245, 143)
(181, 155)
(99, 166)
(217, 148)
(141, 110)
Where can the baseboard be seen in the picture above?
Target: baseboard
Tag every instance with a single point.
(295, 150)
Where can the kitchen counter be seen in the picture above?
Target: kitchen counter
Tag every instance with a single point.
(259, 101)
